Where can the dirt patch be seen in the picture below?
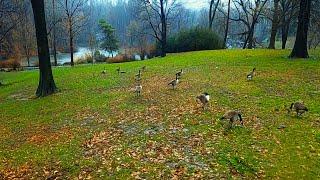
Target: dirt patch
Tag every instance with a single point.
(45, 134)
(21, 97)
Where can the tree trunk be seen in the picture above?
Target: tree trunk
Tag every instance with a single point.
(300, 49)
(92, 54)
(71, 41)
(212, 12)
(227, 25)
(275, 23)
(284, 33)
(163, 30)
(46, 83)
(28, 60)
(249, 39)
(54, 34)
(142, 53)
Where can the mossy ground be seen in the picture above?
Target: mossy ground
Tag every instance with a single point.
(96, 127)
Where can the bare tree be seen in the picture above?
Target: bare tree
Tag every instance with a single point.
(25, 30)
(138, 37)
(212, 11)
(93, 45)
(7, 9)
(74, 20)
(54, 41)
(314, 33)
(92, 40)
(289, 11)
(227, 24)
(249, 13)
(9, 20)
(275, 24)
(157, 13)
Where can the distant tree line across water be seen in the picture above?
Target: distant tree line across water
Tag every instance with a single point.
(144, 27)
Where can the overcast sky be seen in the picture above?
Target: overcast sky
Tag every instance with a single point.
(195, 4)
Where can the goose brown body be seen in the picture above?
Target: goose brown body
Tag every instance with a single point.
(174, 83)
(299, 107)
(204, 99)
(233, 116)
(251, 74)
(104, 71)
(138, 89)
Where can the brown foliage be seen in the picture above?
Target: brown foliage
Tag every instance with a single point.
(121, 58)
(11, 63)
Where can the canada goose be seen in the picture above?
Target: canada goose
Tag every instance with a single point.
(299, 107)
(179, 74)
(138, 89)
(232, 116)
(120, 72)
(251, 74)
(104, 71)
(138, 75)
(204, 99)
(174, 83)
(143, 68)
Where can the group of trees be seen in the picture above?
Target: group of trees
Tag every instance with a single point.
(74, 23)
(138, 24)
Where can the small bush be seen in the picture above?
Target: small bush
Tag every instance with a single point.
(152, 51)
(121, 58)
(98, 57)
(87, 58)
(194, 39)
(11, 63)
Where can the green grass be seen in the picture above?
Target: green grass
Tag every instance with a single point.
(96, 127)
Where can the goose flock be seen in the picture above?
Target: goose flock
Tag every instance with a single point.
(204, 98)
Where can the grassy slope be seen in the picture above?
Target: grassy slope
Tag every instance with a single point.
(95, 126)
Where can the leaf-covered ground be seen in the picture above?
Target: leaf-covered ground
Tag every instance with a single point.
(95, 126)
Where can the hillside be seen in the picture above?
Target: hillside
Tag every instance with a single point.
(95, 126)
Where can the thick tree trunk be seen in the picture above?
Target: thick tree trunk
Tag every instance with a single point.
(275, 23)
(46, 83)
(251, 39)
(300, 49)
(164, 30)
(227, 25)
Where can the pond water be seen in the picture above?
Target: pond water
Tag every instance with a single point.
(65, 57)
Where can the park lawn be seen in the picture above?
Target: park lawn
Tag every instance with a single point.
(96, 127)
